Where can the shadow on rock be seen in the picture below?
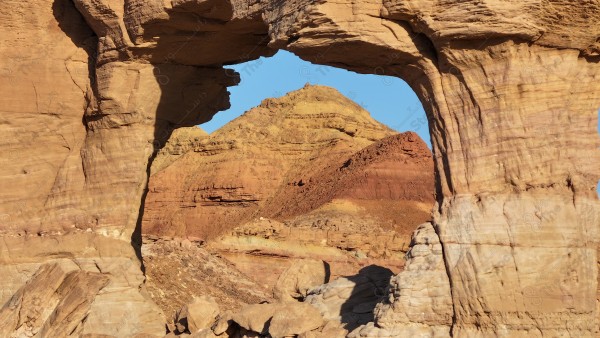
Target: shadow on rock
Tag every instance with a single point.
(351, 300)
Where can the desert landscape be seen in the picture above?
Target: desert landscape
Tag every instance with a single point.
(303, 217)
(297, 192)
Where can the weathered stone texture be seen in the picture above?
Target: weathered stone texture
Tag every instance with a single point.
(510, 88)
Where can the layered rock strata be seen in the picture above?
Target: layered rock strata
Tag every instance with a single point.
(510, 89)
(179, 143)
(288, 157)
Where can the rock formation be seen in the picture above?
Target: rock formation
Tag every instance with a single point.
(179, 271)
(351, 300)
(510, 88)
(54, 303)
(200, 314)
(419, 296)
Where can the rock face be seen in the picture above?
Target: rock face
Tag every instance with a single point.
(510, 88)
(419, 301)
(351, 300)
(179, 271)
(287, 157)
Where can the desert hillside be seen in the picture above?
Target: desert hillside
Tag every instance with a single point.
(288, 157)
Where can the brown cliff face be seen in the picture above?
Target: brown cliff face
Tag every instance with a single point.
(287, 157)
(510, 88)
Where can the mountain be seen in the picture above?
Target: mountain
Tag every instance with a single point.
(287, 157)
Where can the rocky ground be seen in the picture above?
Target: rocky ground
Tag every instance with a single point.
(208, 297)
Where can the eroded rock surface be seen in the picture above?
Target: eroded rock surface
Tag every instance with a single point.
(54, 302)
(418, 302)
(510, 88)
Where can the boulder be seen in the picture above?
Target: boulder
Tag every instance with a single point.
(223, 323)
(203, 333)
(351, 300)
(279, 319)
(329, 330)
(294, 319)
(303, 275)
(255, 317)
(199, 314)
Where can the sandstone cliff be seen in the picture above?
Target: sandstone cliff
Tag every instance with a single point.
(510, 88)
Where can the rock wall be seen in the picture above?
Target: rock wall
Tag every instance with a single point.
(511, 90)
(512, 107)
(70, 187)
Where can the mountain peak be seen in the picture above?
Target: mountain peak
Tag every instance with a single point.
(312, 111)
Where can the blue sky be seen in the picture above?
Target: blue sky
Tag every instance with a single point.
(389, 100)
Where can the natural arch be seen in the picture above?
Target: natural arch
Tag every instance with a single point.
(511, 93)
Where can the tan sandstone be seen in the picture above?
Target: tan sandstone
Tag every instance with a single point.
(510, 88)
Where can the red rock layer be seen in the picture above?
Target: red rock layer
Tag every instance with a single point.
(395, 168)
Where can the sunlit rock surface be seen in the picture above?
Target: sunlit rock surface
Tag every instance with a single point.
(510, 88)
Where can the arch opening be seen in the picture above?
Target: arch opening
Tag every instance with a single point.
(292, 166)
(272, 77)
